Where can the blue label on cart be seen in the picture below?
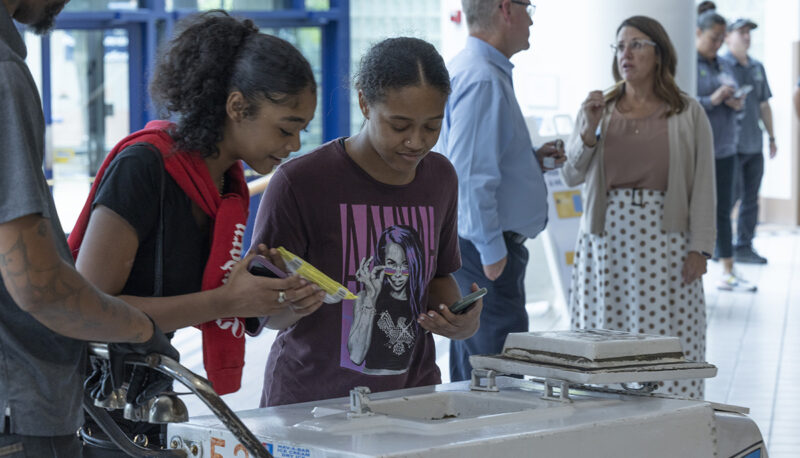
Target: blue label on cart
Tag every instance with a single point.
(288, 451)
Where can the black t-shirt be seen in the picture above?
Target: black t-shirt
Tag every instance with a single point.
(131, 188)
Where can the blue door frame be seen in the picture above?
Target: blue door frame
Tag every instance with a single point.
(142, 27)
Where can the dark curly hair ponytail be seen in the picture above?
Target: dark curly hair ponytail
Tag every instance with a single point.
(212, 55)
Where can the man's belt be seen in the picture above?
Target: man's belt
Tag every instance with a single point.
(514, 237)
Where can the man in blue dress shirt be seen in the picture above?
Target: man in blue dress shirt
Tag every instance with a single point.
(501, 190)
(750, 161)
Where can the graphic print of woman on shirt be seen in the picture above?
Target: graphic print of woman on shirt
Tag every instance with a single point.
(384, 329)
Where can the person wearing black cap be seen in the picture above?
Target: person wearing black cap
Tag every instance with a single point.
(750, 75)
(716, 92)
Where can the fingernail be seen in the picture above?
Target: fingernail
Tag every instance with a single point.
(303, 282)
(421, 319)
(441, 306)
(431, 314)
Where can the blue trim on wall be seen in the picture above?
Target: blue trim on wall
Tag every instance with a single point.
(142, 26)
(47, 87)
(137, 94)
(336, 73)
(47, 101)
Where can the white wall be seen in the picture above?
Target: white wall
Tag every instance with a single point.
(780, 29)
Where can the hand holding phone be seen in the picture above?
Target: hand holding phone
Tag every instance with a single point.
(555, 160)
(262, 267)
(743, 91)
(466, 302)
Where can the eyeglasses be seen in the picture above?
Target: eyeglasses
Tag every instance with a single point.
(530, 8)
(635, 45)
(391, 271)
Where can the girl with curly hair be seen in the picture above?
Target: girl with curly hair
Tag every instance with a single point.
(165, 218)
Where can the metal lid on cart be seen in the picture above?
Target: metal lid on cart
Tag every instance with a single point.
(594, 356)
(591, 346)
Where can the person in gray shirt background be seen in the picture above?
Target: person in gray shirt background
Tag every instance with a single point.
(750, 75)
(47, 310)
(722, 100)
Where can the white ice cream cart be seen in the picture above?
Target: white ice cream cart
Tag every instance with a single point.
(567, 407)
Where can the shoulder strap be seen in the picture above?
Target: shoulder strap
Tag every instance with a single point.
(158, 281)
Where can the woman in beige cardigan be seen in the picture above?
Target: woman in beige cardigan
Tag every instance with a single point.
(644, 155)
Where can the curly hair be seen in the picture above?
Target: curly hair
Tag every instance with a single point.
(212, 55)
(396, 63)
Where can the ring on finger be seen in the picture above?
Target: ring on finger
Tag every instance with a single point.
(281, 297)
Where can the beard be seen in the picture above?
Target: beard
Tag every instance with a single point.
(48, 19)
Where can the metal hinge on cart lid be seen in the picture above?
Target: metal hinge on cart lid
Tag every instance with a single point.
(479, 375)
(563, 390)
(359, 402)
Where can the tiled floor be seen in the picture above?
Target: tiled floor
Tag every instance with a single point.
(754, 339)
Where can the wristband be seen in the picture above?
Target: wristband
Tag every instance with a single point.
(772, 139)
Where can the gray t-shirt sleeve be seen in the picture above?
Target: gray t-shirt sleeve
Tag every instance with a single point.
(21, 152)
(766, 93)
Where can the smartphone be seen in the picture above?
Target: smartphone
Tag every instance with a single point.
(549, 162)
(467, 301)
(262, 267)
(743, 91)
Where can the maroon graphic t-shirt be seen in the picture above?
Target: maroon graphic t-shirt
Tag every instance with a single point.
(383, 242)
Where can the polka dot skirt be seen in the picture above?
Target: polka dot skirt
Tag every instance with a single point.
(629, 279)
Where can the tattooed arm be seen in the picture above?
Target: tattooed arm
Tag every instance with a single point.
(54, 293)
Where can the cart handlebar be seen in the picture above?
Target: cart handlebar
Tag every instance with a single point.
(200, 387)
